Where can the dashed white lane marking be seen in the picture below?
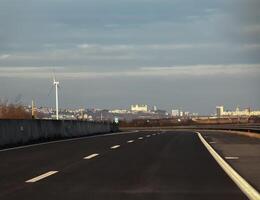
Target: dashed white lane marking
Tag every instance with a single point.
(154, 134)
(140, 138)
(212, 142)
(130, 141)
(91, 156)
(232, 157)
(246, 188)
(115, 147)
(41, 177)
(148, 136)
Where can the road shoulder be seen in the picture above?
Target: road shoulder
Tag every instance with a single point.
(242, 153)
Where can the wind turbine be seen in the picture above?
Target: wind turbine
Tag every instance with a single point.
(56, 85)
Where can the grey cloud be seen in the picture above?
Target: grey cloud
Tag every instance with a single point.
(176, 72)
(129, 37)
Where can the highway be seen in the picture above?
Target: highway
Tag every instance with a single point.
(135, 165)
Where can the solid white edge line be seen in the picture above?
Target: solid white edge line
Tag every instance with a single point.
(37, 178)
(246, 188)
(91, 156)
(114, 147)
(68, 140)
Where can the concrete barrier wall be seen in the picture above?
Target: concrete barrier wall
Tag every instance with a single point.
(15, 132)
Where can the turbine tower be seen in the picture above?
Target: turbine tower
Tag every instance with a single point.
(56, 84)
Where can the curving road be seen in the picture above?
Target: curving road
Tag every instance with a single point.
(137, 165)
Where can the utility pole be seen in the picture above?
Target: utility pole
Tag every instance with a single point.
(82, 115)
(33, 110)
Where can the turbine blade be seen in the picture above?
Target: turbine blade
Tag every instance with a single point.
(50, 90)
(53, 75)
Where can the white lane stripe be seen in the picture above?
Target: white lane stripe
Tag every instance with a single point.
(140, 138)
(148, 136)
(231, 157)
(41, 177)
(246, 188)
(130, 141)
(154, 134)
(114, 147)
(212, 142)
(91, 156)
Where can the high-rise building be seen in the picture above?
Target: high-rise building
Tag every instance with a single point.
(220, 110)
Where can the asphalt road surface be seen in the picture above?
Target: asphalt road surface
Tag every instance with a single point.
(241, 152)
(140, 165)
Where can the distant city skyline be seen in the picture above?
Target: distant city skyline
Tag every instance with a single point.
(187, 54)
(173, 111)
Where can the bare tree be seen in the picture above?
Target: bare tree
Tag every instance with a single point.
(13, 111)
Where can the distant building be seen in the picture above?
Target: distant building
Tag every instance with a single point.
(246, 112)
(181, 113)
(175, 113)
(186, 113)
(139, 108)
(119, 111)
(220, 110)
(161, 112)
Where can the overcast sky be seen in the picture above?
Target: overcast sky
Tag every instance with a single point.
(184, 54)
